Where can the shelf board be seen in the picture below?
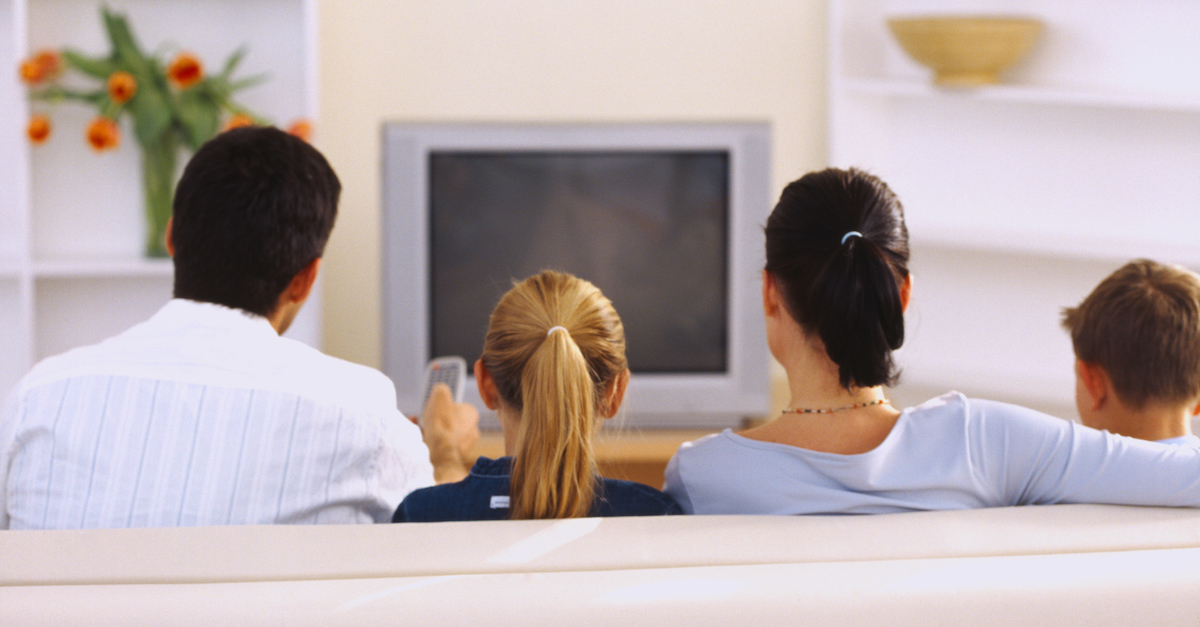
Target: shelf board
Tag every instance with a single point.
(103, 268)
(1027, 94)
(1054, 245)
(11, 268)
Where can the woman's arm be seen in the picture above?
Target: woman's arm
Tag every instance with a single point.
(674, 487)
(1049, 460)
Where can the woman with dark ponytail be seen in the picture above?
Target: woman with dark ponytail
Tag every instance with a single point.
(835, 288)
(553, 367)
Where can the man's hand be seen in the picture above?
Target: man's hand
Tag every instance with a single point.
(450, 430)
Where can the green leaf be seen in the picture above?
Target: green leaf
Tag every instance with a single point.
(211, 86)
(125, 48)
(154, 77)
(98, 67)
(232, 62)
(247, 82)
(54, 93)
(199, 117)
(151, 113)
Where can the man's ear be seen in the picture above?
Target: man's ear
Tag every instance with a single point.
(1095, 381)
(170, 239)
(301, 286)
(487, 387)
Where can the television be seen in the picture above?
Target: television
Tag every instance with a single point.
(665, 218)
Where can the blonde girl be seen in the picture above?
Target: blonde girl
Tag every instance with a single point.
(553, 367)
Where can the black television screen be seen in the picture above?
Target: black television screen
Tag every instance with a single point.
(649, 228)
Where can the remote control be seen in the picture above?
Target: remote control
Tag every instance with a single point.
(449, 370)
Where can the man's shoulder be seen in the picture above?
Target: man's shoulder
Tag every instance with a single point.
(319, 372)
(215, 356)
(98, 358)
(79, 361)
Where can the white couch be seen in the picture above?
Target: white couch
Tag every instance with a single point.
(1055, 565)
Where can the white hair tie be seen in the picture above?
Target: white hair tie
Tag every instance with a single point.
(553, 329)
(850, 234)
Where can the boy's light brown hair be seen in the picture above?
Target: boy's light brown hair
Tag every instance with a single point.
(1142, 326)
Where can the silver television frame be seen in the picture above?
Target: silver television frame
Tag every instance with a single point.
(653, 400)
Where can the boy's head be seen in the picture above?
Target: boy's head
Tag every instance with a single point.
(1141, 328)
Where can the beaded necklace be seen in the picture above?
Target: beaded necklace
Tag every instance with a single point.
(801, 410)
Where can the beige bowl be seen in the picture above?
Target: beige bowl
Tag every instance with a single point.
(964, 50)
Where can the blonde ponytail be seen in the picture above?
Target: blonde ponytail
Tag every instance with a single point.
(555, 467)
(557, 381)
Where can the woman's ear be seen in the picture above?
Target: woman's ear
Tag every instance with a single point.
(487, 387)
(906, 291)
(770, 295)
(615, 395)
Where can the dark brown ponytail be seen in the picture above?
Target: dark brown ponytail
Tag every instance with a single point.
(838, 249)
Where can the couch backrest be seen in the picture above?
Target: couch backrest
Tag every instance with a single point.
(1056, 565)
(278, 553)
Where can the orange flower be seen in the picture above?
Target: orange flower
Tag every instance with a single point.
(41, 67)
(238, 120)
(51, 63)
(185, 70)
(31, 72)
(38, 129)
(302, 129)
(103, 134)
(121, 87)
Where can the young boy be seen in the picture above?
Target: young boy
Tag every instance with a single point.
(1137, 350)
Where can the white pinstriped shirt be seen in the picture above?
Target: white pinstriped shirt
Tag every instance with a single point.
(203, 415)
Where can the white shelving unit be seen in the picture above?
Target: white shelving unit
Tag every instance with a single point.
(1020, 196)
(71, 265)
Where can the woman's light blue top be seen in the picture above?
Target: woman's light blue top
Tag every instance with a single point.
(951, 452)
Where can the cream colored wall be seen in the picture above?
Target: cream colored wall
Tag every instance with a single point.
(533, 60)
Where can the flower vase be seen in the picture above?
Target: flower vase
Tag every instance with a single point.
(158, 185)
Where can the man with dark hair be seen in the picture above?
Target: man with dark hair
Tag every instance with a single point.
(1137, 349)
(203, 414)
(251, 215)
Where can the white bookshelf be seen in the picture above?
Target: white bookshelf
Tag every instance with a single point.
(71, 264)
(1020, 196)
